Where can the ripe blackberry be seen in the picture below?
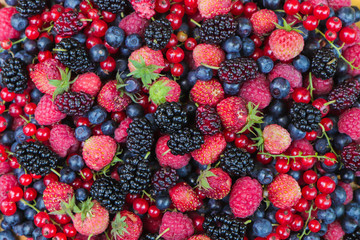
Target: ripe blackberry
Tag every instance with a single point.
(224, 227)
(170, 117)
(108, 192)
(350, 156)
(163, 179)
(68, 24)
(218, 29)
(28, 8)
(135, 175)
(158, 33)
(305, 117)
(237, 70)
(324, 63)
(114, 6)
(353, 236)
(74, 103)
(236, 162)
(151, 236)
(344, 95)
(36, 158)
(140, 138)
(15, 75)
(207, 120)
(73, 55)
(185, 141)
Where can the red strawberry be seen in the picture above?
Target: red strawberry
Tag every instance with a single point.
(7, 31)
(112, 99)
(233, 113)
(56, 193)
(199, 237)
(207, 92)
(89, 83)
(164, 90)
(126, 226)
(184, 197)
(46, 112)
(276, 139)
(208, 54)
(263, 21)
(212, 8)
(144, 8)
(215, 183)
(99, 151)
(210, 150)
(166, 158)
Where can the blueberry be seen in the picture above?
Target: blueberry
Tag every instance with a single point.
(323, 229)
(267, 120)
(265, 64)
(36, 95)
(81, 37)
(192, 179)
(28, 228)
(248, 47)
(231, 88)
(14, 219)
(125, 52)
(349, 224)
(295, 134)
(295, 174)
(232, 45)
(40, 203)
(277, 108)
(347, 175)
(7, 138)
(357, 195)
(134, 110)
(312, 236)
(353, 210)
(30, 46)
(121, 65)
(342, 67)
(72, 3)
(279, 88)
(301, 63)
(339, 210)
(214, 205)
(271, 4)
(11, 2)
(98, 53)
(18, 230)
(44, 44)
(262, 227)
(67, 175)
(163, 201)
(184, 171)
(7, 235)
(328, 216)
(97, 115)
(81, 194)
(19, 135)
(18, 22)
(357, 13)
(108, 127)
(39, 186)
(29, 214)
(338, 196)
(5, 226)
(270, 214)
(204, 73)
(76, 162)
(133, 85)
(115, 36)
(26, 57)
(259, 213)
(310, 46)
(3, 57)
(22, 206)
(82, 133)
(346, 15)
(36, 233)
(244, 27)
(230, 56)
(333, 177)
(133, 42)
(265, 176)
(341, 140)
(322, 146)
(302, 30)
(330, 169)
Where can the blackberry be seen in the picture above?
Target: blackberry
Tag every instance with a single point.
(224, 227)
(353, 236)
(108, 192)
(344, 95)
(350, 156)
(163, 179)
(68, 24)
(135, 174)
(28, 8)
(218, 29)
(170, 117)
(185, 141)
(158, 33)
(151, 236)
(237, 70)
(15, 75)
(36, 158)
(305, 117)
(114, 6)
(140, 138)
(236, 162)
(73, 55)
(74, 103)
(324, 63)
(207, 120)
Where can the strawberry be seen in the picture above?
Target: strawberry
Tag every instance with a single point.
(7, 31)
(144, 8)
(286, 43)
(212, 8)
(126, 226)
(166, 158)
(46, 112)
(99, 151)
(207, 92)
(55, 193)
(112, 99)
(199, 237)
(233, 113)
(89, 83)
(164, 90)
(263, 21)
(276, 139)
(208, 54)
(211, 149)
(184, 197)
(215, 183)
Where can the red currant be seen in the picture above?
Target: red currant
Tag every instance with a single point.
(8, 207)
(30, 194)
(314, 225)
(311, 23)
(140, 205)
(323, 201)
(291, 7)
(334, 24)
(321, 12)
(301, 95)
(49, 230)
(309, 192)
(325, 184)
(347, 35)
(41, 218)
(306, 8)
(15, 194)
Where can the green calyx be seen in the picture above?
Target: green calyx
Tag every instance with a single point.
(66, 208)
(119, 226)
(120, 84)
(145, 72)
(62, 85)
(85, 209)
(115, 160)
(202, 180)
(158, 92)
(287, 27)
(254, 117)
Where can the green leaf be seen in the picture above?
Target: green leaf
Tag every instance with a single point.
(203, 178)
(158, 92)
(119, 226)
(62, 85)
(145, 72)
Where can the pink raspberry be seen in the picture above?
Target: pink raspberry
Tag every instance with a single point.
(349, 192)
(318, 2)
(7, 182)
(337, 4)
(7, 31)
(210, 9)
(46, 112)
(245, 197)
(256, 91)
(208, 54)
(134, 24)
(353, 54)
(121, 131)
(62, 140)
(5, 167)
(321, 87)
(349, 123)
(276, 139)
(334, 232)
(145, 8)
(304, 145)
(166, 158)
(180, 226)
(288, 72)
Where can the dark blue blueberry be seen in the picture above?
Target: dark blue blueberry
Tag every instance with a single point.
(36, 233)
(115, 36)
(338, 196)
(341, 140)
(14, 146)
(267, 120)
(29, 214)
(18, 229)
(121, 65)
(330, 169)
(323, 229)
(98, 53)
(248, 47)
(339, 210)
(244, 27)
(134, 110)
(270, 214)
(39, 186)
(5, 226)
(342, 67)
(44, 44)
(125, 52)
(265, 176)
(133, 85)
(133, 42)
(19, 135)
(67, 175)
(232, 45)
(204, 73)
(262, 227)
(7, 235)
(21, 205)
(279, 88)
(150, 117)
(76, 162)
(353, 210)
(333, 177)
(342, 78)
(357, 195)
(271, 4)
(357, 13)
(26, 57)
(312, 236)
(302, 30)
(108, 127)
(14, 219)
(301, 63)
(346, 15)
(265, 64)
(347, 175)
(322, 146)
(191, 78)
(163, 201)
(3, 57)
(230, 56)
(82, 133)
(81, 194)
(260, 212)
(30, 46)
(40, 203)
(97, 115)
(227, 210)
(18, 22)
(36, 95)
(231, 88)
(11, 2)
(184, 171)
(277, 108)
(192, 179)
(328, 216)
(72, 3)
(18, 172)
(81, 37)
(348, 224)
(214, 205)
(7, 138)
(295, 134)
(295, 174)
(28, 228)
(310, 46)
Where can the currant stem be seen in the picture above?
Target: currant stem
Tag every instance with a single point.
(294, 157)
(29, 205)
(195, 22)
(311, 86)
(307, 221)
(329, 103)
(54, 171)
(328, 139)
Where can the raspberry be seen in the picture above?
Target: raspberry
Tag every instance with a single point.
(62, 140)
(7, 31)
(180, 226)
(121, 131)
(256, 91)
(349, 191)
(7, 182)
(349, 123)
(288, 72)
(134, 24)
(284, 192)
(334, 231)
(166, 158)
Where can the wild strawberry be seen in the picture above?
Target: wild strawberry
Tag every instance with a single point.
(276, 139)
(263, 21)
(233, 113)
(207, 92)
(208, 54)
(89, 83)
(126, 226)
(284, 192)
(164, 90)
(184, 197)
(46, 112)
(112, 99)
(56, 193)
(211, 149)
(215, 183)
(212, 8)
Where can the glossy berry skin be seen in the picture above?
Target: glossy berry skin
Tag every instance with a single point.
(325, 184)
(334, 24)
(291, 7)
(330, 35)
(314, 226)
(69, 230)
(309, 192)
(297, 224)
(48, 230)
(347, 35)
(41, 219)
(323, 201)
(306, 8)
(310, 177)
(320, 104)
(321, 12)
(15, 194)
(283, 216)
(311, 23)
(30, 194)
(8, 207)
(175, 55)
(301, 95)
(140, 205)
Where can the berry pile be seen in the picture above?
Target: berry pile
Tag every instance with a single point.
(180, 120)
